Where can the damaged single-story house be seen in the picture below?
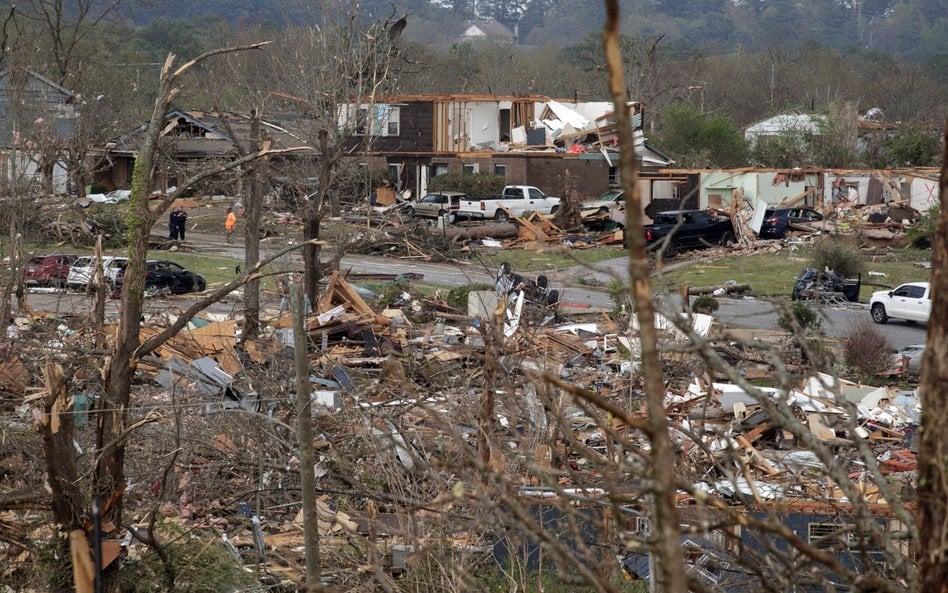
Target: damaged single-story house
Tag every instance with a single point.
(556, 145)
(191, 138)
(918, 187)
(37, 116)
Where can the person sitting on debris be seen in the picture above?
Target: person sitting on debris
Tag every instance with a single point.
(230, 223)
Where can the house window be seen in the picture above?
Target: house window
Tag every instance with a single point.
(393, 123)
(395, 171)
(835, 535)
(500, 170)
(362, 115)
(472, 168)
(613, 176)
(439, 170)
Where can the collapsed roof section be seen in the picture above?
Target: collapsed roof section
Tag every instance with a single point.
(208, 134)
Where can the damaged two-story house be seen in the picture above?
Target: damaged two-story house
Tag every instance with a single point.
(37, 119)
(556, 145)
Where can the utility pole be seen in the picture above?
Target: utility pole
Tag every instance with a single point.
(304, 427)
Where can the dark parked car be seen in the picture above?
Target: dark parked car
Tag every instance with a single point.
(688, 229)
(48, 270)
(777, 221)
(167, 275)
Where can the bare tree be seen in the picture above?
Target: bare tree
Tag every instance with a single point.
(128, 350)
(334, 74)
(666, 545)
(933, 445)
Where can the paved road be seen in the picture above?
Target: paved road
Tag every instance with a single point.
(750, 313)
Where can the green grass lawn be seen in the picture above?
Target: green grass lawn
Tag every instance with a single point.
(556, 258)
(773, 274)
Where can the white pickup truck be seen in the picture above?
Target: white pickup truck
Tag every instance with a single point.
(911, 302)
(516, 200)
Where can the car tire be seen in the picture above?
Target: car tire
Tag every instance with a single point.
(727, 238)
(409, 212)
(878, 313)
(441, 213)
(554, 209)
(501, 216)
(669, 250)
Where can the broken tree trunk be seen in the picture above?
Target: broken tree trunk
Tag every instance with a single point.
(304, 407)
(664, 521)
(474, 233)
(728, 289)
(933, 389)
(57, 430)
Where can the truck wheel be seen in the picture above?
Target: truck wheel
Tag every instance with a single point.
(878, 313)
(501, 216)
(670, 250)
(410, 212)
(440, 213)
(727, 238)
(554, 209)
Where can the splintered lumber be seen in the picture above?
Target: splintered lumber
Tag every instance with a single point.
(728, 289)
(794, 201)
(536, 228)
(492, 230)
(339, 292)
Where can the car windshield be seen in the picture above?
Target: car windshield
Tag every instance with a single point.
(83, 262)
(610, 195)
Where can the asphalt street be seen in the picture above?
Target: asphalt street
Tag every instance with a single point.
(746, 313)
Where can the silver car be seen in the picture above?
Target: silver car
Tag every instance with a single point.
(612, 199)
(81, 271)
(437, 204)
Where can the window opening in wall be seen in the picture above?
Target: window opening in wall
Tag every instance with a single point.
(471, 168)
(505, 125)
(439, 170)
(500, 170)
(395, 172)
(393, 123)
(614, 177)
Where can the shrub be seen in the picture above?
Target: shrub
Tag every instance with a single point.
(866, 350)
(799, 316)
(921, 235)
(476, 185)
(705, 304)
(832, 253)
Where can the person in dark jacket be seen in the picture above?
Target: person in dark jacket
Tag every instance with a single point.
(173, 225)
(182, 220)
